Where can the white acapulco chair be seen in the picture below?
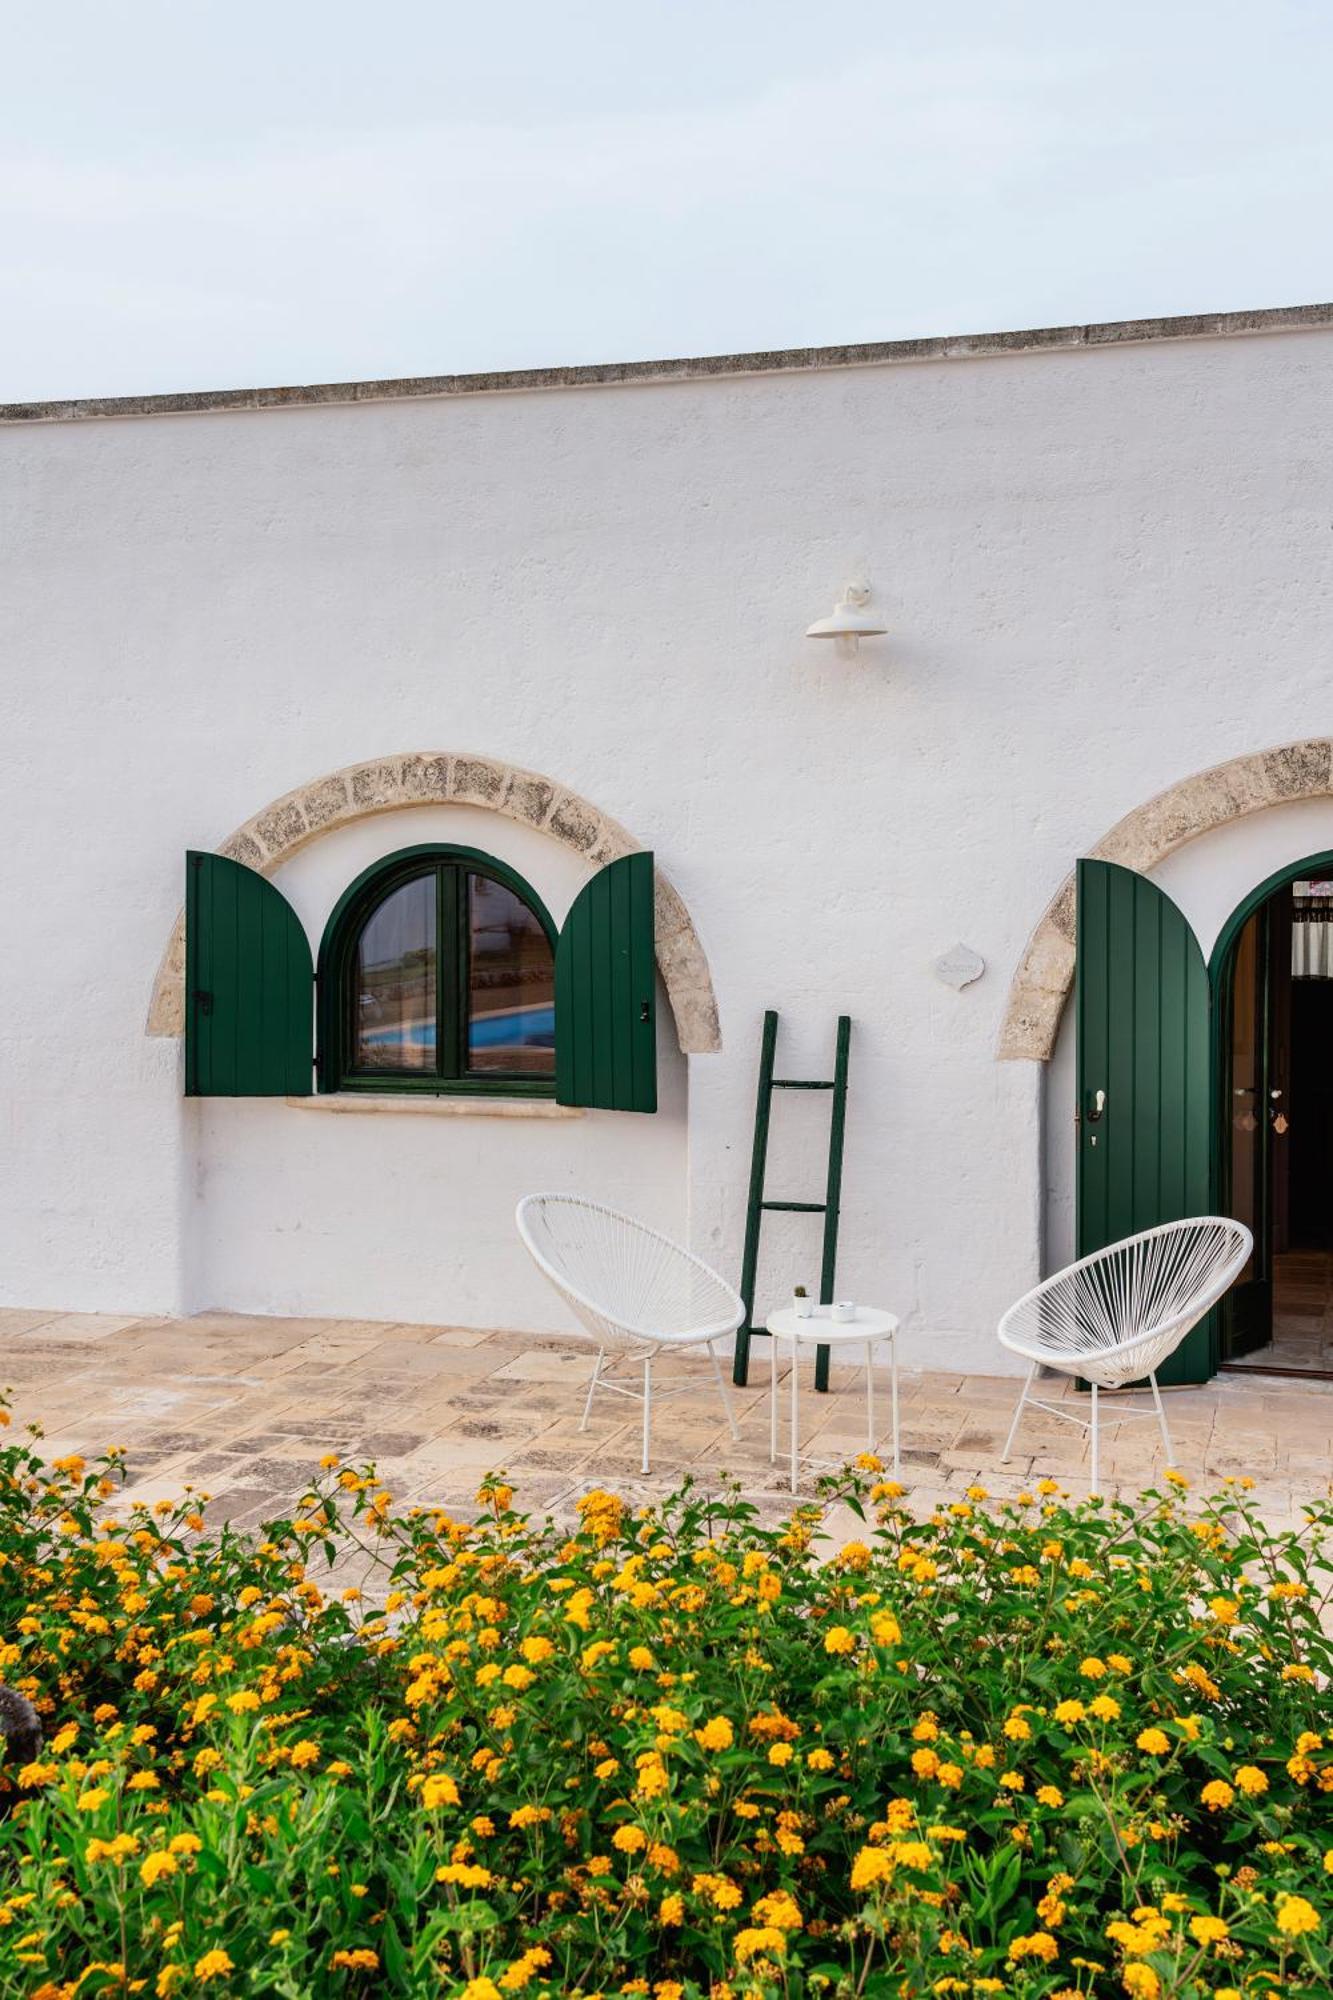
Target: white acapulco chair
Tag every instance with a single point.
(634, 1291)
(1114, 1317)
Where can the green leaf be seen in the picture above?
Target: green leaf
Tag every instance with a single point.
(469, 1918)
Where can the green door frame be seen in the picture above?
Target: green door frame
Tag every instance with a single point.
(1220, 969)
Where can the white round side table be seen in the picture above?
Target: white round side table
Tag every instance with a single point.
(868, 1330)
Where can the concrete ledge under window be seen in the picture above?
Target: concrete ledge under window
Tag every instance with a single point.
(438, 1107)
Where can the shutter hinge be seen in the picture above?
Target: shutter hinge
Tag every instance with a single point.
(202, 999)
(645, 1010)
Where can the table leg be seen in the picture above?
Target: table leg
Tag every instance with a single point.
(870, 1395)
(893, 1362)
(795, 1412)
(773, 1399)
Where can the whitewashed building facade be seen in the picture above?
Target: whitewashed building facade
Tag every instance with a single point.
(551, 619)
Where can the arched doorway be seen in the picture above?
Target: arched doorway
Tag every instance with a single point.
(1137, 843)
(1271, 977)
(1201, 1088)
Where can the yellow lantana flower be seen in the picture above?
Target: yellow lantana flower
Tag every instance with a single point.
(755, 1942)
(716, 1734)
(439, 1789)
(872, 1864)
(1296, 1917)
(1039, 1945)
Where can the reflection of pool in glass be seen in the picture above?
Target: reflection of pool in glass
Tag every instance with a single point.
(518, 1028)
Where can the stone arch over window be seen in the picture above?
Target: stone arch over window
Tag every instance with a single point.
(430, 778)
(1139, 841)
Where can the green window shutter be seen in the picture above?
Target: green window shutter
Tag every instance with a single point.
(249, 985)
(1143, 1039)
(605, 1035)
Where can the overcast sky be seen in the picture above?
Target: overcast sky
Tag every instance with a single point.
(219, 193)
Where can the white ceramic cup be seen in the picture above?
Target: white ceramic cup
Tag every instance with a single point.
(803, 1308)
(842, 1312)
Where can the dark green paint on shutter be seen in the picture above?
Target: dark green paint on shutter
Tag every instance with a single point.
(1143, 1039)
(605, 1000)
(249, 985)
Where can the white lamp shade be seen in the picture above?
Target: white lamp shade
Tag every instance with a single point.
(846, 622)
(851, 618)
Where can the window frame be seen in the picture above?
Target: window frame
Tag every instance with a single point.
(451, 865)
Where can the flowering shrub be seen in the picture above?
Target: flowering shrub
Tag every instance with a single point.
(1030, 1749)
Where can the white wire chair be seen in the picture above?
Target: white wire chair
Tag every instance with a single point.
(1114, 1317)
(634, 1291)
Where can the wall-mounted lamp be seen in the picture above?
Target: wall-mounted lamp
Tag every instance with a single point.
(850, 622)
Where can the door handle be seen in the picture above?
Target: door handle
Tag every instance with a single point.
(1097, 1107)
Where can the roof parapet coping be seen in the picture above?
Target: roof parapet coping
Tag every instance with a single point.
(781, 361)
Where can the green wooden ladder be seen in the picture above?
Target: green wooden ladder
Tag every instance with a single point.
(758, 1207)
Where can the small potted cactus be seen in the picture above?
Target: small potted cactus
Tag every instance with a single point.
(802, 1303)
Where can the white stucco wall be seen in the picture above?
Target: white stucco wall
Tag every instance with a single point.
(1101, 570)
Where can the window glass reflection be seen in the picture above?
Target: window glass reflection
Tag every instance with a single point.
(511, 984)
(393, 988)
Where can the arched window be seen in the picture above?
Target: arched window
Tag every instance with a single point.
(437, 974)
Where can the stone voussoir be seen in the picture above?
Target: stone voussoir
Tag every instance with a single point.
(378, 786)
(529, 797)
(279, 828)
(243, 847)
(480, 781)
(425, 778)
(325, 803)
(575, 822)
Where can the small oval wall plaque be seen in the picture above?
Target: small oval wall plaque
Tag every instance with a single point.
(959, 966)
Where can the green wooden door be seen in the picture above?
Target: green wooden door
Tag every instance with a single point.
(1144, 1099)
(605, 1033)
(249, 985)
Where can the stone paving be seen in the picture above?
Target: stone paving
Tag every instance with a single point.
(243, 1408)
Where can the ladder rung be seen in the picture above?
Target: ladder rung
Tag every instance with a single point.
(797, 1207)
(798, 1083)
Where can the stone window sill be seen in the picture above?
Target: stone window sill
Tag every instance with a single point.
(414, 1106)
